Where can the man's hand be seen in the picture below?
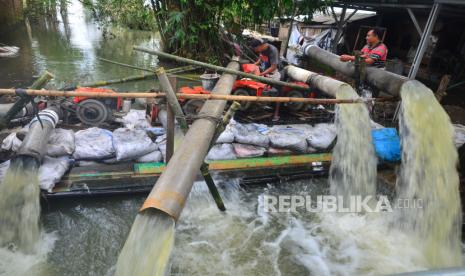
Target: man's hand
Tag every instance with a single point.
(346, 58)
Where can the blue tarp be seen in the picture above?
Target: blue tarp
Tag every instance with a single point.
(387, 144)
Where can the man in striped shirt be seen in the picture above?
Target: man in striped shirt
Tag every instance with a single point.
(374, 53)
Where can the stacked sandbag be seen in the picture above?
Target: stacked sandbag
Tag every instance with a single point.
(131, 144)
(459, 137)
(52, 170)
(322, 136)
(135, 119)
(61, 142)
(248, 151)
(287, 137)
(93, 144)
(221, 152)
(251, 134)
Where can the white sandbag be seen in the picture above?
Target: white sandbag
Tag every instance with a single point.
(61, 142)
(288, 138)
(249, 134)
(93, 144)
(248, 151)
(221, 152)
(227, 136)
(459, 137)
(154, 156)
(322, 136)
(11, 142)
(135, 119)
(132, 143)
(3, 168)
(52, 170)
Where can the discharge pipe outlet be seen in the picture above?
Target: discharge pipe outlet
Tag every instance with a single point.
(40, 128)
(175, 183)
(383, 80)
(325, 84)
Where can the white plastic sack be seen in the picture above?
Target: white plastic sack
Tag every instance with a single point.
(135, 119)
(84, 163)
(227, 136)
(11, 142)
(132, 143)
(221, 152)
(154, 156)
(93, 144)
(322, 136)
(52, 170)
(288, 138)
(61, 142)
(249, 134)
(248, 151)
(278, 152)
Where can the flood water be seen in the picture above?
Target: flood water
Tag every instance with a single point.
(69, 47)
(85, 236)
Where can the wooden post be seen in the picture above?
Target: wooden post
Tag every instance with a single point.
(442, 88)
(170, 124)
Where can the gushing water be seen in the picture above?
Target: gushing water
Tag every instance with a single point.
(148, 247)
(353, 166)
(429, 176)
(19, 206)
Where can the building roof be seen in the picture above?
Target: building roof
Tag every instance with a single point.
(326, 17)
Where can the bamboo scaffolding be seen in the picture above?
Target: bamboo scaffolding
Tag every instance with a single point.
(58, 93)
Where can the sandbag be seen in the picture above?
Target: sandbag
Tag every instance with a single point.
(61, 142)
(11, 142)
(132, 143)
(248, 151)
(288, 138)
(52, 170)
(93, 144)
(154, 156)
(387, 144)
(322, 136)
(135, 119)
(85, 163)
(221, 152)
(227, 136)
(250, 134)
(278, 152)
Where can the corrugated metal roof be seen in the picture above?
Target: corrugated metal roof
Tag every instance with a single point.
(327, 18)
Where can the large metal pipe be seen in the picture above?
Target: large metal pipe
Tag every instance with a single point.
(383, 80)
(40, 128)
(174, 185)
(325, 84)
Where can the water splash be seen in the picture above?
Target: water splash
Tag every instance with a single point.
(148, 247)
(353, 166)
(429, 176)
(20, 206)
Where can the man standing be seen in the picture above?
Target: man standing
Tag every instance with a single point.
(374, 53)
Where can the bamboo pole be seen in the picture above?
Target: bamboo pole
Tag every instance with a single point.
(58, 93)
(221, 69)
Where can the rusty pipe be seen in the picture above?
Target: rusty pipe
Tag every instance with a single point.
(379, 78)
(174, 185)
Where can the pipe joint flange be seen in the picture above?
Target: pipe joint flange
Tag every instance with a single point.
(46, 115)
